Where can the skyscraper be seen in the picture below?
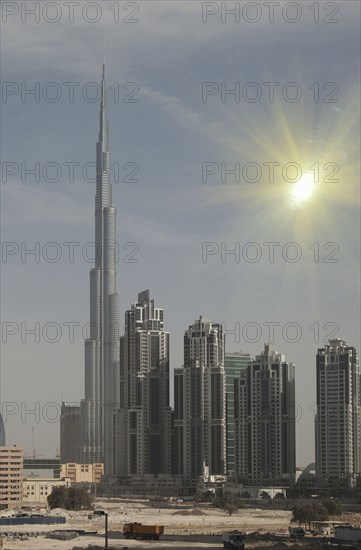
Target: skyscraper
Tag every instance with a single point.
(234, 364)
(2, 432)
(70, 432)
(144, 423)
(199, 404)
(102, 347)
(338, 421)
(264, 404)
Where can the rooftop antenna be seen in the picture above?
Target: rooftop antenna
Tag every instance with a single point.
(34, 454)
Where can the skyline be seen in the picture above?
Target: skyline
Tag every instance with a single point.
(170, 211)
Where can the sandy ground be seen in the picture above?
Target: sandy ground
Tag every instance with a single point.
(178, 519)
(195, 518)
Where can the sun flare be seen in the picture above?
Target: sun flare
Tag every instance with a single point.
(303, 189)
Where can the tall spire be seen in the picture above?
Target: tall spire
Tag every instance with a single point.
(104, 192)
(103, 73)
(102, 347)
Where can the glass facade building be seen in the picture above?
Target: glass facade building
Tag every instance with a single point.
(234, 364)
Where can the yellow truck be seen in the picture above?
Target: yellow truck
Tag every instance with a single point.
(139, 531)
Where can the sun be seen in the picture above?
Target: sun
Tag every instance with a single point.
(303, 189)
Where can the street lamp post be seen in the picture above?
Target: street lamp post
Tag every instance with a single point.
(105, 514)
(106, 531)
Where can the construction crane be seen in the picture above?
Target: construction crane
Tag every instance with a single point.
(34, 454)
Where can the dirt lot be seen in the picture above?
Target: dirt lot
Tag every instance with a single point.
(179, 520)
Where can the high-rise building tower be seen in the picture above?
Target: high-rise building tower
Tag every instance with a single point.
(101, 400)
(199, 404)
(70, 432)
(144, 422)
(338, 421)
(264, 405)
(234, 364)
(2, 432)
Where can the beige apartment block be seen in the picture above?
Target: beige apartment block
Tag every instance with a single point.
(37, 489)
(82, 473)
(11, 476)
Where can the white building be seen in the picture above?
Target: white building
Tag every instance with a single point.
(37, 489)
(199, 404)
(338, 414)
(264, 406)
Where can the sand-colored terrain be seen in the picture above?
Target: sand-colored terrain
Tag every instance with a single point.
(190, 518)
(178, 519)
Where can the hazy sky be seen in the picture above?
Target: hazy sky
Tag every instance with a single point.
(160, 56)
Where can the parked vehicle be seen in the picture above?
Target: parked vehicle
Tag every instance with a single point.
(233, 540)
(139, 531)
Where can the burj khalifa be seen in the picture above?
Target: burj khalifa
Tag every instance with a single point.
(101, 401)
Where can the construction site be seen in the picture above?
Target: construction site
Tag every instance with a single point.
(170, 524)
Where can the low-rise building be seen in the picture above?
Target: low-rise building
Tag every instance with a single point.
(11, 476)
(162, 485)
(37, 489)
(231, 489)
(41, 467)
(82, 473)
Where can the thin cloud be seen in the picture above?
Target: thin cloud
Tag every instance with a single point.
(33, 205)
